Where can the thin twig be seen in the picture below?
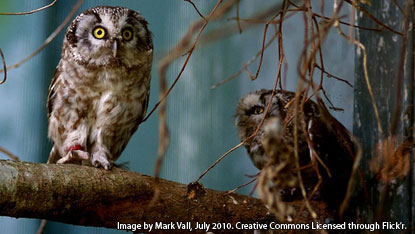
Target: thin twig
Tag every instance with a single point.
(400, 68)
(333, 76)
(237, 17)
(350, 25)
(4, 67)
(242, 185)
(51, 36)
(244, 66)
(30, 12)
(220, 159)
(399, 7)
(163, 128)
(296, 109)
(177, 51)
(372, 17)
(197, 10)
(300, 211)
(355, 168)
(366, 76)
(263, 45)
(257, 129)
(42, 226)
(323, 71)
(230, 29)
(8, 153)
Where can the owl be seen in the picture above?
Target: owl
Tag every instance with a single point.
(99, 93)
(319, 134)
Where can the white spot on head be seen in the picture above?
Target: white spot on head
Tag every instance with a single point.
(273, 126)
(251, 100)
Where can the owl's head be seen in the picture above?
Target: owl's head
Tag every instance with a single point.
(106, 36)
(251, 109)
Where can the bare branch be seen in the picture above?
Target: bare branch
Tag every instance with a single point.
(219, 159)
(8, 153)
(197, 10)
(4, 67)
(242, 185)
(333, 76)
(366, 76)
(30, 12)
(42, 226)
(51, 36)
(257, 129)
(237, 17)
(372, 17)
(348, 24)
(163, 93)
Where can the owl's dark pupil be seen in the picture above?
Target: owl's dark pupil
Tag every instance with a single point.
(127, 34)
(99, 32)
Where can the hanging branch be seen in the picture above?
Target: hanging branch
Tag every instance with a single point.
(164, 64)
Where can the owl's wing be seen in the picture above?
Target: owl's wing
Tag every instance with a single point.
(333, 144)
(138, 121)
(144, 106)
(51, 94)
(330, 138)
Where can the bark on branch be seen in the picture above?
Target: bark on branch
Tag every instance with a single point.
(83, 195)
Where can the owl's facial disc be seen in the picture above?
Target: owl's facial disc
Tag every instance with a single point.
(109, 36)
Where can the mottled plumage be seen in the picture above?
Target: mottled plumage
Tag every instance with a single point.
(318, 131)
(99, 93)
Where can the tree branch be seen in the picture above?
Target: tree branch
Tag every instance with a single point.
(88, 196)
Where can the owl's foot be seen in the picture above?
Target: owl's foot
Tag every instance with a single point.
(99, 159)
(75, 154)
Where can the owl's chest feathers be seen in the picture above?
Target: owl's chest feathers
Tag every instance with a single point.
(110, 96)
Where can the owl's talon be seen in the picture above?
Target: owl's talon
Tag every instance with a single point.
(100, 160)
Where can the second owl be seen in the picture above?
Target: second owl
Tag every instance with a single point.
(320, 138)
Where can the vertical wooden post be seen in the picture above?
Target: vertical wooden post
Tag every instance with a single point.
(390, 65)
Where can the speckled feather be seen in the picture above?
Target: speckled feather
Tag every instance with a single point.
(96, 101)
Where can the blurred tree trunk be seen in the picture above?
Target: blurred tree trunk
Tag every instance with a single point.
(390, 65)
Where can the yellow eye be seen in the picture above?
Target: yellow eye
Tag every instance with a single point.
(99, 32)
(258, 110)
(127, 34)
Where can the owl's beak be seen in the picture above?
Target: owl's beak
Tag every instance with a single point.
(114, 48)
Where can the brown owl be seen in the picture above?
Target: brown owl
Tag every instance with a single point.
(319, 134)
(99, 93)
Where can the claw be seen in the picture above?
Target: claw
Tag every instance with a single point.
(99, 159)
